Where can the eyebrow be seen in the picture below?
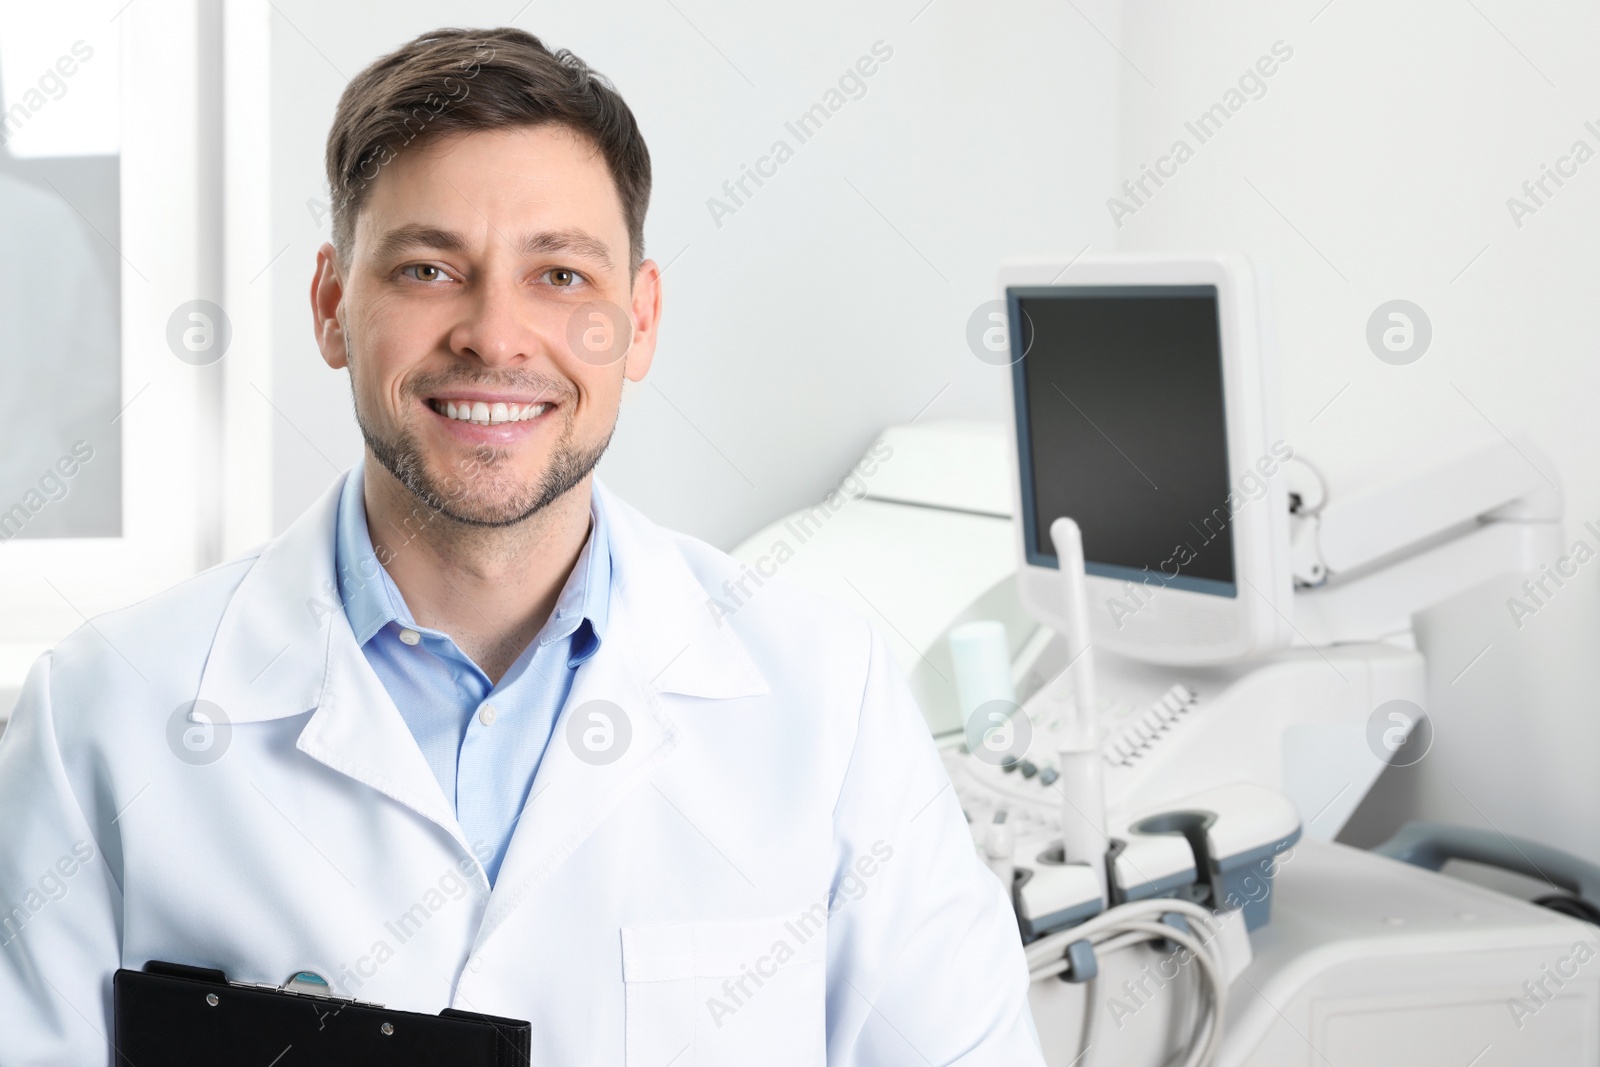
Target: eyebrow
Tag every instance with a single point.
(572, 242)
(543, 242)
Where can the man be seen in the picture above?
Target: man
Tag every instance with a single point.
(467, 733)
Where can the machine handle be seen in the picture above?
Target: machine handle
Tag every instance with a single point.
(1432, 844)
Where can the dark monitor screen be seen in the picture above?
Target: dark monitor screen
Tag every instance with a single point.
(1121, 426)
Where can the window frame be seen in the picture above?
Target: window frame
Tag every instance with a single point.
(169, 195)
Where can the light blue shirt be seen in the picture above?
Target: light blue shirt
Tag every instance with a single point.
(484, 741)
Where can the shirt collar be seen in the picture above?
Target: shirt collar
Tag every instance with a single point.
(372, 600)
(585, 601)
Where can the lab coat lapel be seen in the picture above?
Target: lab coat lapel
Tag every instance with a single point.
(284, 647)
(358, 731)
(661, 638)
(578, 785)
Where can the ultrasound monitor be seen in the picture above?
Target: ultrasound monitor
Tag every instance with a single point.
(1141, 410)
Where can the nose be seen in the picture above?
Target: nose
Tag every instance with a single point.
(500, 329)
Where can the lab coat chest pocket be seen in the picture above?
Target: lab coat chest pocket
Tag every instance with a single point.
(725, 993)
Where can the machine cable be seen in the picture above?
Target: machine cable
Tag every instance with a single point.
(1140, 922)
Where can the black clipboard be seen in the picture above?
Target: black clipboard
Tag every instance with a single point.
(172, 1015)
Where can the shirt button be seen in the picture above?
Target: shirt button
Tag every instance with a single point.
(486, 715)
(410, 637)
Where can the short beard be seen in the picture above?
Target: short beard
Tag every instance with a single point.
(403, 458)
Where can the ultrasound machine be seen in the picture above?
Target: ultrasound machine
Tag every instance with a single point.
(1164, 665)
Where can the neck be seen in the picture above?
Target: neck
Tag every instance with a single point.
(490, 588)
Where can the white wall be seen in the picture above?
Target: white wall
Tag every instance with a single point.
(1377, 166)
(817, 313)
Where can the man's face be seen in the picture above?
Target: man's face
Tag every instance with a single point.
(486, 314)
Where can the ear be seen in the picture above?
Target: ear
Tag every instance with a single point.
(327, 298)
(646, 310)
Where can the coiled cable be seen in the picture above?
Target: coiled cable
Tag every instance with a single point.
(1139, 922)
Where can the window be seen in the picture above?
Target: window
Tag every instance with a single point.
(106, 168)
(60, 349)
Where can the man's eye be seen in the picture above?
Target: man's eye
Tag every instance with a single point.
(562, 277)
(424, 272)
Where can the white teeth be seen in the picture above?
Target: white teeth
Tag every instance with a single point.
(486, 414)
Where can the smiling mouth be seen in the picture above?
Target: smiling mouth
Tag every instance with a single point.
(483, 413)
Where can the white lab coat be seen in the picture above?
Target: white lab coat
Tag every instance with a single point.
(777, 762)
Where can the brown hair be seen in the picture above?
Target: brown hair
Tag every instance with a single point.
(451, 80)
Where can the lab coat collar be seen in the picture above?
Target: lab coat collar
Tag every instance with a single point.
(284, 630)
(284, 646)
